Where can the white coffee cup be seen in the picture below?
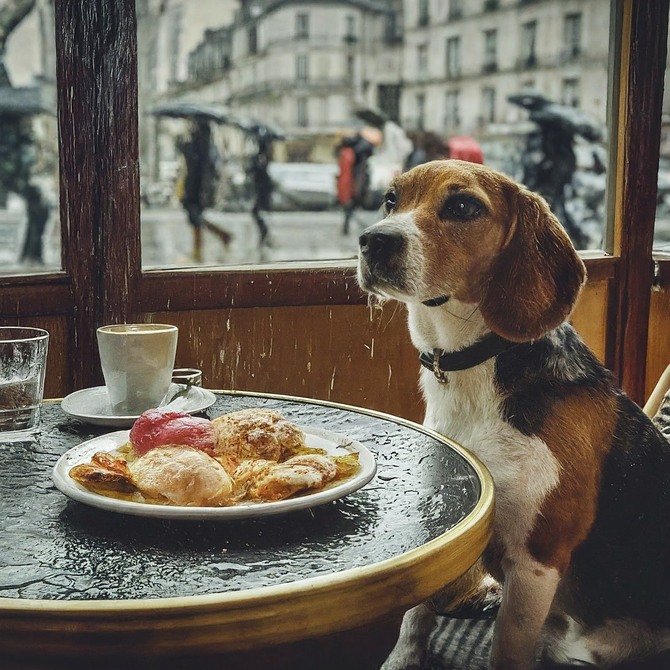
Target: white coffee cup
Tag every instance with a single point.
(137, 361)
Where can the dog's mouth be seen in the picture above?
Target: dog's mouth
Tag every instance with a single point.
(382, 281)
(389, 266)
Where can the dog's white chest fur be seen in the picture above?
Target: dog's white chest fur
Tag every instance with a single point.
(467, 409)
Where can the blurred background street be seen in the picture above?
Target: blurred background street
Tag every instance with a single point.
(167, 238)
(294, 236)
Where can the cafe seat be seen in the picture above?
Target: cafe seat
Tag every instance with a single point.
(659, 396)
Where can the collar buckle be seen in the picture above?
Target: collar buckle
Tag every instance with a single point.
(439, 373)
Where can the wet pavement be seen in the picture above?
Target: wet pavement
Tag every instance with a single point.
(167, 239)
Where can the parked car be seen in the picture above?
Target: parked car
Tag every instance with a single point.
(304, 186)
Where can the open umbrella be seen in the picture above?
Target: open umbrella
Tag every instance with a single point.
(465, 148)
(542, 110)
(372, 116)
(183, 109)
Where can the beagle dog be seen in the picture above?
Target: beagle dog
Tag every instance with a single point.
(581, 538)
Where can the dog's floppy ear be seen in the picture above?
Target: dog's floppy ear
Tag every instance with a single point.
(536, 278)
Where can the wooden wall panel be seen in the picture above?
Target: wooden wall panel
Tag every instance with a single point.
(590, 316)
(353, 354)
(345, 353)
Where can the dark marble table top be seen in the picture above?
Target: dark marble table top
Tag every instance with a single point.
(54, 548)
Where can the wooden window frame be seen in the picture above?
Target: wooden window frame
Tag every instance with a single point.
(103, 281)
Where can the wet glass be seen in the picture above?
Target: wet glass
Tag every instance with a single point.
(23, 360)
(247, 110)
(662, 225)
(29, 215)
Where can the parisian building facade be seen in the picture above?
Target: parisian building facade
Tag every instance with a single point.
(447, 66)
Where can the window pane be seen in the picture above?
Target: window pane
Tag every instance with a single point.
(662, 227)
(261, 182)
(29, 217)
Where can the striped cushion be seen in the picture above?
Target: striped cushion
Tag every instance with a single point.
(460, 644)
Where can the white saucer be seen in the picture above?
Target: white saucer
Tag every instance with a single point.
(92, 405)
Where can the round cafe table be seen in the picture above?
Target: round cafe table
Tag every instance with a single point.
(314, 588)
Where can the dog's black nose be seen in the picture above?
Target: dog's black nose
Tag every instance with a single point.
(381, 244)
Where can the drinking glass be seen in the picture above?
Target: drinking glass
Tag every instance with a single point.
(23, 358)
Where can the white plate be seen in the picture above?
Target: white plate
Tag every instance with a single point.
(333, 444)
(92, 405)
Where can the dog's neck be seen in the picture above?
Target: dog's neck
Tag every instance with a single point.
(449, 327)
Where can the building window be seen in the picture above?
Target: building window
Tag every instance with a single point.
(351, 64)
(420, 111)
(452, 117)
(388, 100)
(453, 57)
(572, 35)
(350, 30)
(455, 9)
(422, 61)
(488, 114)
(252, 37)
(175, 29)
(302, 25)
(302, 119)
(570, 92)
(301, 68)
(424, 16)
(393, 28)
(528, 57)
(490, 51)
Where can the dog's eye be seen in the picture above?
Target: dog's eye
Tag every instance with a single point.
(390, 200)
(461, 207)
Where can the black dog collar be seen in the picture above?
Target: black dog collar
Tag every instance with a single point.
(440, 362)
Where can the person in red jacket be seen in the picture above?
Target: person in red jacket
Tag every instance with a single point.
(353, 178)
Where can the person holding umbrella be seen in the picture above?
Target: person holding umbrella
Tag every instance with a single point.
(353, 180)
(200, 183)
(549, 160)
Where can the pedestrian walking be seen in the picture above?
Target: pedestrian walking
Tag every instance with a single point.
(549, 160)
(262, 182)
(18, 155)
(353, 179)
(199, 183)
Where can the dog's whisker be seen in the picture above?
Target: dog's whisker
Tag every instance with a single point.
(396, 307)
(466, 318)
